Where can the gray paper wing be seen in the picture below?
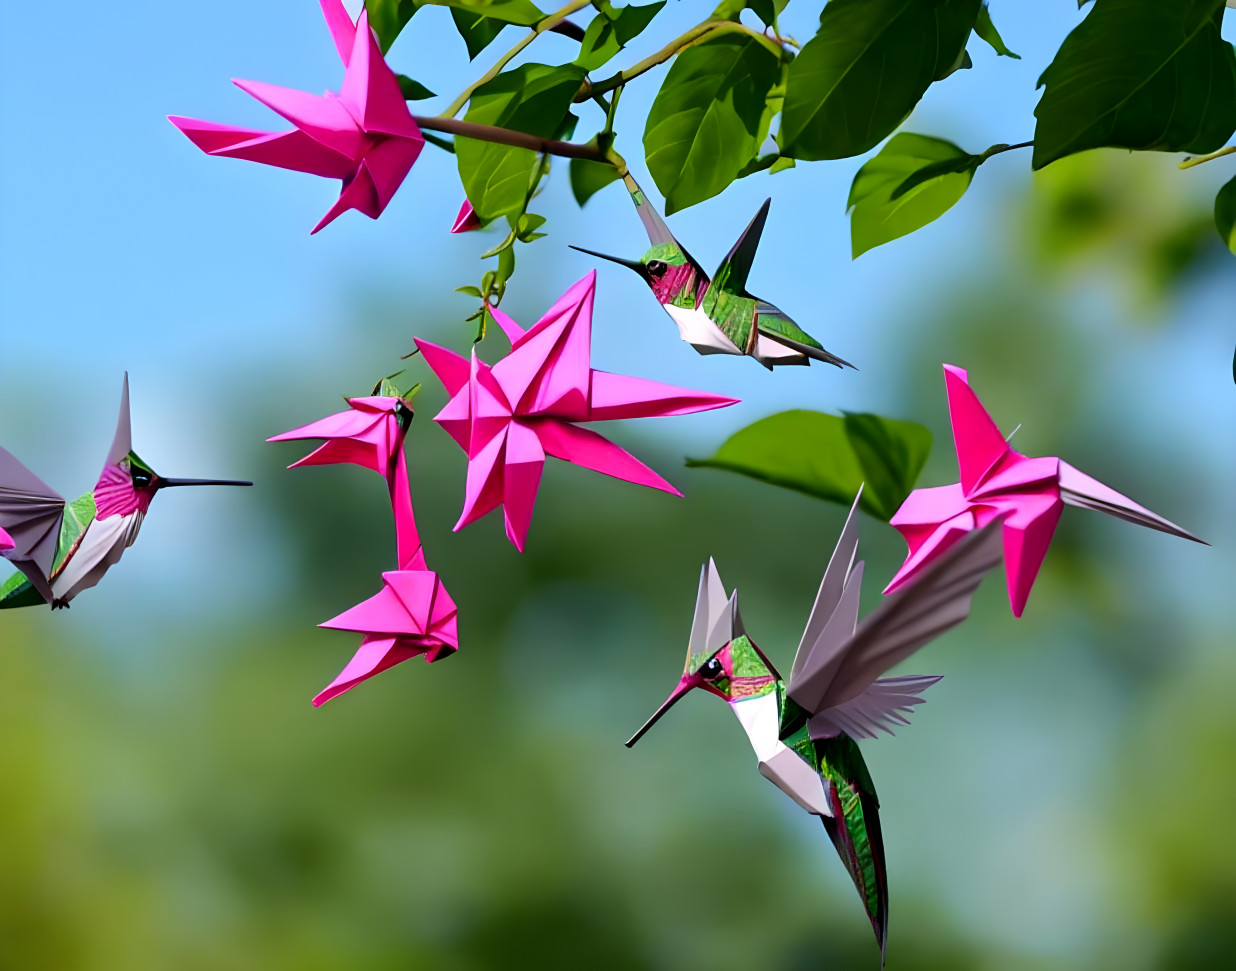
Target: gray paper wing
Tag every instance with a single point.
(31, 512)
(882, 707)
(834, 614)
(915, 615)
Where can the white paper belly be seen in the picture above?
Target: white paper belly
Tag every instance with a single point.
(700, 332)
(779, 764)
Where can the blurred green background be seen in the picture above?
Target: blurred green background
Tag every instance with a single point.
(168, 797)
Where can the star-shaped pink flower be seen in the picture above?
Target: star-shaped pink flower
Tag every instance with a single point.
(413, 615)
(997, 481)
(508, 417)
(363, 135)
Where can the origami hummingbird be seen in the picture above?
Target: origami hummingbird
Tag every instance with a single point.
(804, 730)
(64, 548)
(716, 315)
(1028, 494)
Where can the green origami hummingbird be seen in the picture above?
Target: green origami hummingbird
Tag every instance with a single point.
(63, 548)
(803, 730)
(716, 315)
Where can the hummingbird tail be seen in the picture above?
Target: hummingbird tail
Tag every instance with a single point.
(855, 827)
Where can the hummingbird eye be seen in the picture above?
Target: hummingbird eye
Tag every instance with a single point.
(713, 669)
(657, 267)
(141, 477)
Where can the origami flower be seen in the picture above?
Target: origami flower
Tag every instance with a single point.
(6, 541)
(363, 135)
(508, 417)
(466, 221)
(413, 615)
(998, 481)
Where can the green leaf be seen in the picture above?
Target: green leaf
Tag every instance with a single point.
(511, 11)
(767, 10)
(1225, 214)
(588, 178)
(477, 31)
(413, 90)
(611, 30)
(469, 291)
(531, 98)
(987, 31)
(704, 124)
(866, 69)
(389, 17)
(1139, 74)
(913, 180)
(828, 456)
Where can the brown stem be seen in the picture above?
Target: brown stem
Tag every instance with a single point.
(507, 136)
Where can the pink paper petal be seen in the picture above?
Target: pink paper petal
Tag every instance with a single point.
(620, 396)
(586, 448)
(521, 478)
(323, 119)
(978, 441)
(342, 30)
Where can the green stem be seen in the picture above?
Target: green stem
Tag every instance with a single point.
(549, 23)
(997, 149)
(696, 35)
(1199, 159)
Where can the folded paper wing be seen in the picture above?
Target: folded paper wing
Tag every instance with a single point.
(1079, 489)
(838, 660)
(30, 516)
(411, 616)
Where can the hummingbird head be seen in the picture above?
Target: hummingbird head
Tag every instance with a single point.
(128, 484)
(721, 658)
(669, 271)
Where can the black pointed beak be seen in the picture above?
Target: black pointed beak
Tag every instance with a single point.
(169, 483)
(629, 264)
(683, 687)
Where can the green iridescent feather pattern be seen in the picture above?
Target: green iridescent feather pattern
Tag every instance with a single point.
(17, 591)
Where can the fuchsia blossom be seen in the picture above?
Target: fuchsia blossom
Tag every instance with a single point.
(508, 417)
(364, 135)
(413, 615)
(997, 481)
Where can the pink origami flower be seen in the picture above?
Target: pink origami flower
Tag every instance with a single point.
(363, 135)
(508, 417)
(997, 481)
(6, 541)
(467, 220)
(413, 615)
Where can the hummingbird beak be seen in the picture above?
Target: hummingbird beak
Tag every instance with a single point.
(685, 685)
(629, 264)
(169, 483)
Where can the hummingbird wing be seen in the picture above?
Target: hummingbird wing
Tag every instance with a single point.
(883, 706)
(31, 512)
(736, 267)
(778, 326)
(829, 628)
(908, 619)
